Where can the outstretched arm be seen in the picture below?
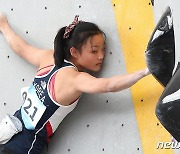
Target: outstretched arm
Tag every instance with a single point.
(19, 46)
(89, 84)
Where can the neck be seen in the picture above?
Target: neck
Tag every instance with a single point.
(80, 68)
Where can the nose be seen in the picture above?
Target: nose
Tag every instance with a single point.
(101, 55)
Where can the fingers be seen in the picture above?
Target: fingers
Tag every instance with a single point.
(2, 15)
(3, 21)
(147, 72)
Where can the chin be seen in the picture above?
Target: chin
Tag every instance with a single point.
(96, 69)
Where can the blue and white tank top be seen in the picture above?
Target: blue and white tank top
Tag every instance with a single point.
(38, 106)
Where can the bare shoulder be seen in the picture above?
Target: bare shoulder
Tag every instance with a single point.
(66, 76)
(47, 58)
(65, 90)
(68, 72)
(47, 54)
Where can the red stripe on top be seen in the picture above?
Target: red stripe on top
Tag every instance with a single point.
(44, 67)
(51, 85)
(43, 73)
(49, 131)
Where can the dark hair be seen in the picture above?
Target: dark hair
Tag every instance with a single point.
(78, 36)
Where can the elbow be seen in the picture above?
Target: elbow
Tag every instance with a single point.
(115, 87)
(108, 85)
(111, 87)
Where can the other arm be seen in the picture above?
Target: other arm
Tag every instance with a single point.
(18, 45)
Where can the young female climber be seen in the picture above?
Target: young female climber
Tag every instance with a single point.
(60, 81)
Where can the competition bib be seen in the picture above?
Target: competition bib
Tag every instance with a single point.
(32, 108)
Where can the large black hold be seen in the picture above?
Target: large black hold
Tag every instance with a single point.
(168, 107)
(160, 56)
(160, 53)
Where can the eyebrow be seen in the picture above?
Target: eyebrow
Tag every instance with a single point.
(98, 46)
(94, 46)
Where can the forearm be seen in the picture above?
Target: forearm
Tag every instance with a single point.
(104, 85)
(118, 83)
(15, 41)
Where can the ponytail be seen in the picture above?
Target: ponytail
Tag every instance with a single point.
(60, 47)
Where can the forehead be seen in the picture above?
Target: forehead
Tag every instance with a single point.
(96, 40)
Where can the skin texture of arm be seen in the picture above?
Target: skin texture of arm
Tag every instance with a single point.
(18, 45)
(89, 84)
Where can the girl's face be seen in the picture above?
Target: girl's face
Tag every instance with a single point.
(92, 53)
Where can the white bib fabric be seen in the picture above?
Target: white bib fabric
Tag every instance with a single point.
(32, 108)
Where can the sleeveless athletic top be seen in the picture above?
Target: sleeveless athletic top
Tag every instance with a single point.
(39, 108)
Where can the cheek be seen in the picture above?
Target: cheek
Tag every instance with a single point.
(88, 58)
(88, 61)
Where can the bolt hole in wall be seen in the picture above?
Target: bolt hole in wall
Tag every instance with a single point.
(152, 2)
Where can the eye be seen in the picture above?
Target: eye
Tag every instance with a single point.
(94, 51)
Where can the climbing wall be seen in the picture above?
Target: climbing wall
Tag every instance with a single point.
(111, 123)
(135, 21)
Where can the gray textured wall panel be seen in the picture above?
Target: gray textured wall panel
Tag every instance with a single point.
(101, 123)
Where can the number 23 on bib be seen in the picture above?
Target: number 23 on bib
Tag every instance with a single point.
(32, 108)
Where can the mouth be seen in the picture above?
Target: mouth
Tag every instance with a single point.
(99, 64)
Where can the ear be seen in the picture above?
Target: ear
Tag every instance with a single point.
(74, 52)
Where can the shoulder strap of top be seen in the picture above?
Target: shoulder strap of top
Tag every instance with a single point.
(68, 62)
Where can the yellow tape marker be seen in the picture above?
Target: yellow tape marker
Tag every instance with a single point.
(135, 24)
